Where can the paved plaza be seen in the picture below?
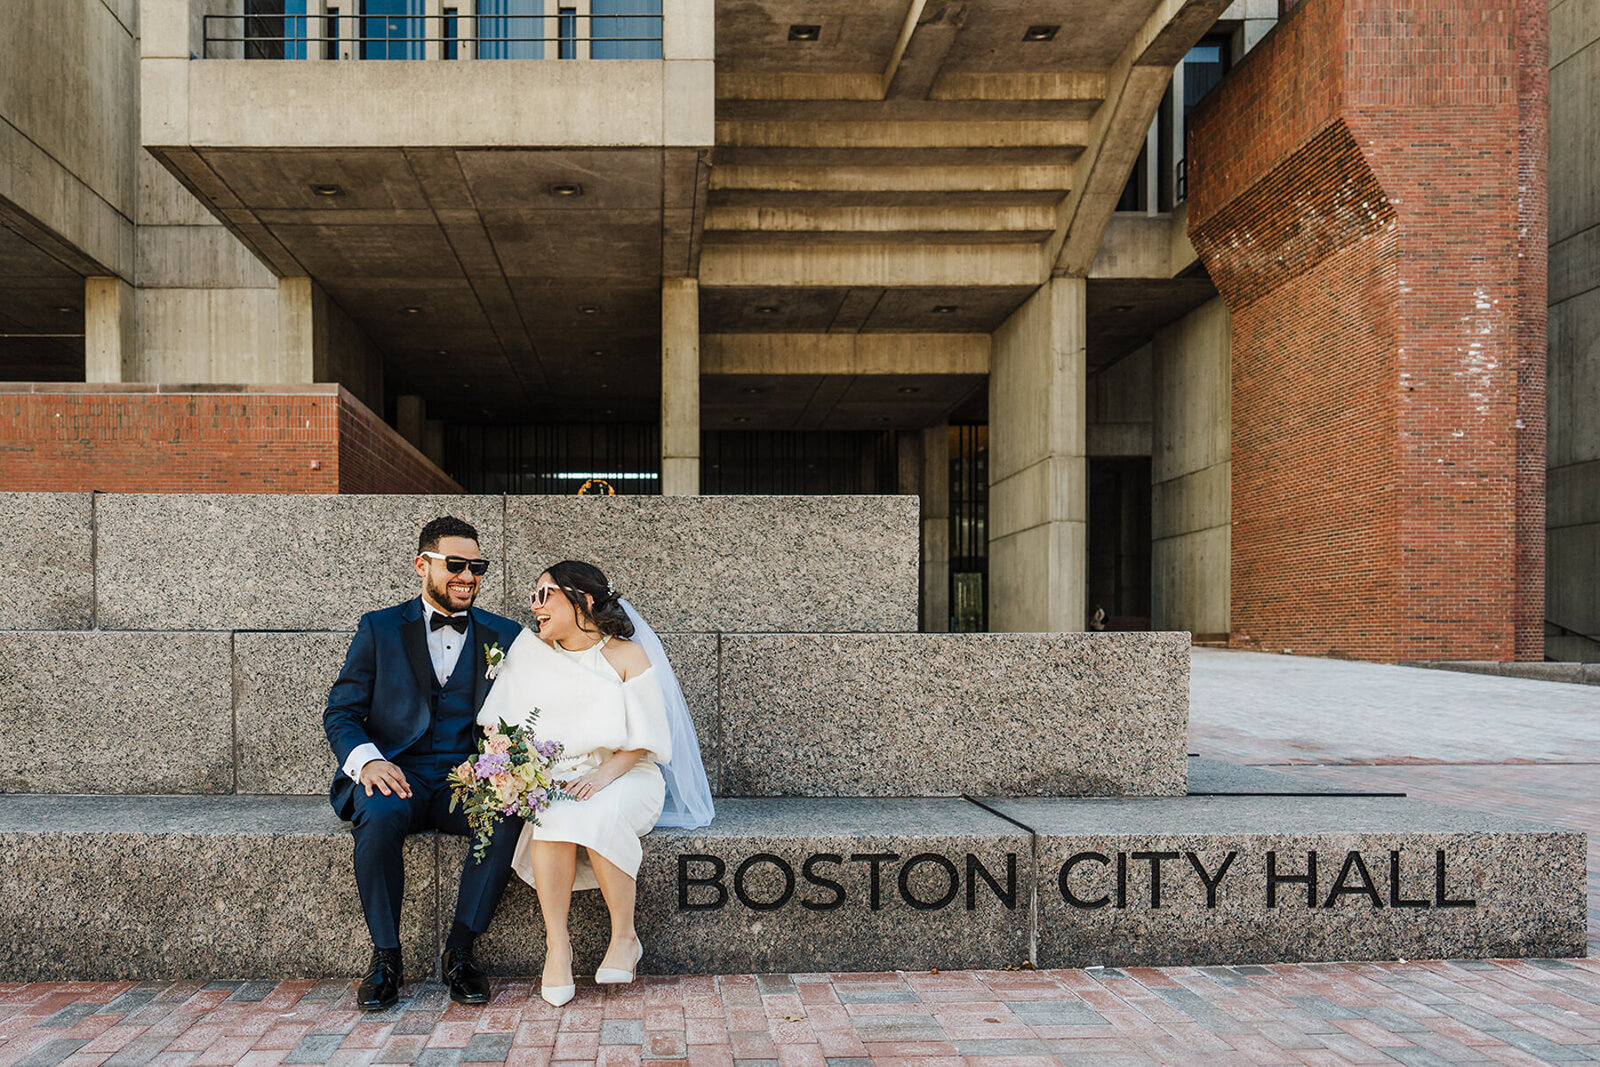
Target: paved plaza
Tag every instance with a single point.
(1502, 745)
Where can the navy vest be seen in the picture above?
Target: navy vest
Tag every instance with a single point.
(453, 729)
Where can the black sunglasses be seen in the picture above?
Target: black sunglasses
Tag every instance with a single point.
(457, 564)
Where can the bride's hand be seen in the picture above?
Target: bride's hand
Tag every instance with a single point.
(588, 785)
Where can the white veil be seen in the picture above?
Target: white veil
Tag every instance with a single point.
(688, 804)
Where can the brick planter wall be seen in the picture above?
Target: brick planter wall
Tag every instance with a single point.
(1355, 192)
(179, 439)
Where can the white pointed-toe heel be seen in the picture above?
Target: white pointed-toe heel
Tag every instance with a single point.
(557, 995)
(616, 975)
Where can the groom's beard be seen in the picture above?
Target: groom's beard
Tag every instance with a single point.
(440, 595)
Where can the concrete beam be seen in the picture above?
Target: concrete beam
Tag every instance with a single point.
(866, 133)
(1029, 85)
(1145, 246)
(845, 353)
(649, 103)
(1135, 84)
(929, 219)
(908, 29)
(920, 53)
(867, 265)
(861, 178)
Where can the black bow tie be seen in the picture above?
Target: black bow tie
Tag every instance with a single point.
(458, 623)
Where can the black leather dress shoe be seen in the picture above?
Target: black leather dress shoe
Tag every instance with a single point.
(380, 988)
(468, 984)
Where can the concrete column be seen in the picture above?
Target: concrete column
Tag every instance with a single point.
(680, 387)
(411, 419)
(908, 460)
(302, 331)
(110, 329)
(1038, 481)
(1191, 474)
(935, 483)
(433, 441)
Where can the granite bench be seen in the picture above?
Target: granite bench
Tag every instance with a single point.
(239, 887)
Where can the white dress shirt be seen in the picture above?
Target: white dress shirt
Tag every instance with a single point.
(444, 650)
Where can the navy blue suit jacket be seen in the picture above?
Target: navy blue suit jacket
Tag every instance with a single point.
(381, 694)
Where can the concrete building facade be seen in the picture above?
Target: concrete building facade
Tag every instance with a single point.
(1146, 360)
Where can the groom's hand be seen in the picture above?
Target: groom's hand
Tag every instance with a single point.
(386, 778)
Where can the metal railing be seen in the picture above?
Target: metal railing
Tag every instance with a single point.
(611, 35)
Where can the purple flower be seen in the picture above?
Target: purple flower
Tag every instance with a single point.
(491, 763)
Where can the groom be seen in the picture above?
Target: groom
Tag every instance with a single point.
(401, 714)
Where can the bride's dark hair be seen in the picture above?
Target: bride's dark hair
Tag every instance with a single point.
(579, 580)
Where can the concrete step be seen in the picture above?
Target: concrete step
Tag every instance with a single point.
(777, 714)
(98, 887)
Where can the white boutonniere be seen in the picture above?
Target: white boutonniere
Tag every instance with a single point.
(494, 655)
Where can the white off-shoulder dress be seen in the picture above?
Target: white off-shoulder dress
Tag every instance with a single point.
(585, 704)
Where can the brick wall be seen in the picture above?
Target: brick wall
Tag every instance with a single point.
(373, 458)
(1355, 195)
(157, 439)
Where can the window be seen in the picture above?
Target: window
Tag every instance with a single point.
(567, 33)
(510, 29)
(450, 49)
(391, 29)
(275, 29)
(1203, 68)
(330, 47)
(626, 29)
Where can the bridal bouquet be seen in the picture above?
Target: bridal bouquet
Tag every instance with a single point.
(511, 776)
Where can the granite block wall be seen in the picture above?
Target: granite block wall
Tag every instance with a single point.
(269, 562)
(746, 564)
(159, 706)
(213, 625)
(690, 564)
(832, 715)
(953, 714)
(53, 533)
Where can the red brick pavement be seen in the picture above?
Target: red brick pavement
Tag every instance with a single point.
(1500, 1011)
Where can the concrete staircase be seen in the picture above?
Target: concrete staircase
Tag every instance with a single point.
(891, 799)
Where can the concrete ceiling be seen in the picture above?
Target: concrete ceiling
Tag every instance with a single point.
(752, 35)
(41, 313)
(832, 401)
(1124, 313)
(502, 269)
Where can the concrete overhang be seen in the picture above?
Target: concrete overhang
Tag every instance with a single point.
(499, 229)
(946, 156)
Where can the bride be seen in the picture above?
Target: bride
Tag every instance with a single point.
(630, 759)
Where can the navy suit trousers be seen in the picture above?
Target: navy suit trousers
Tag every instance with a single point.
(380, 826)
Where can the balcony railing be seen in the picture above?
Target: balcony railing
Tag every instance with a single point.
(564, 34)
